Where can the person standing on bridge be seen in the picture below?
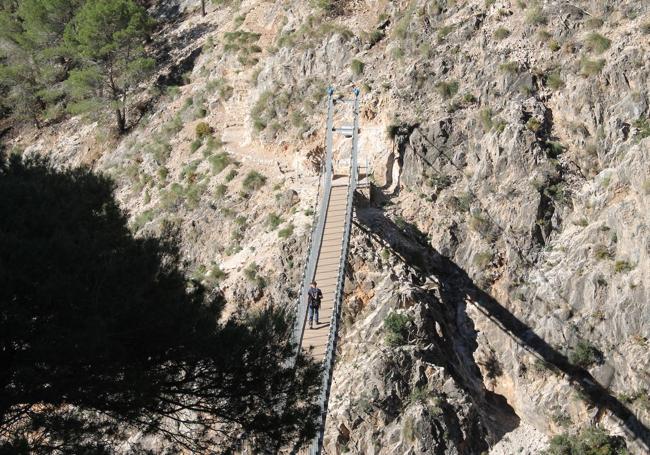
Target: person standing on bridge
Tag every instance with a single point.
(314, 296)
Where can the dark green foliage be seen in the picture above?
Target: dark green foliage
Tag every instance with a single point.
(286, 232)
(357, 67)
(597, 43)
(536, 16)
(533, 124)
(397, 328)
(501, 33)
(584, 354)
(643, 125)
(34, 59)
(622, 267)
(590, 441)
(554, 80)
(509, 67)
(273, 221)
(219, 162)
(591, 67)
(251, 272)
(107, 39)
(104, 322)
(447, 89)
(253, 181)
(202, 130)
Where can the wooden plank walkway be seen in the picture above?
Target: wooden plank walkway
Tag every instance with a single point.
(327, 268)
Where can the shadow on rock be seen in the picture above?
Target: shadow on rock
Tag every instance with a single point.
(459, 337)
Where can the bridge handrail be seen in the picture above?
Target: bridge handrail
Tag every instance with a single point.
(316, 234)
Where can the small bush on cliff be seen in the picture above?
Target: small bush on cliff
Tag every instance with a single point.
(397, 329)
(536, 16)
(595, 42)
(584, 354)
(447, 89)
(590, 441)
(501, 33)
(253, 181)
(591, 67)
(357, 67)
(202, 130)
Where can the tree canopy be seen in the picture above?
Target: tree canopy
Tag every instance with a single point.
(102, 336)
(107, 37)
(79, 56)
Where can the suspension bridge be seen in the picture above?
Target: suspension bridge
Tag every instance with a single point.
(328, 246)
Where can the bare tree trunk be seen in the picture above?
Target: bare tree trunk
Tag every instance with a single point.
(203, 8)
(121, 122)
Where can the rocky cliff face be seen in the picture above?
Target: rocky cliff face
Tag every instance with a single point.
(508, 224)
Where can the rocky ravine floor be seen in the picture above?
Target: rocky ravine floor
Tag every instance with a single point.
(509, 144)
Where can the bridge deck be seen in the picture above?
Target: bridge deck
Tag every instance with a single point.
(327, 268)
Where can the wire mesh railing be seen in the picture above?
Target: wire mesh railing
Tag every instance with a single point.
(316, 235)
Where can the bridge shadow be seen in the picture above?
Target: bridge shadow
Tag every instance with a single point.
(457, 289)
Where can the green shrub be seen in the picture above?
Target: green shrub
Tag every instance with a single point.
(202, 130)
(253, 181)
(397, 52)
(286, 231)
(401, 28)
(357, 67)
(643, 125)
(444, 31)
(397, 328)
(554, 45)
(220, 191)
(215, 274)
(231, 175)
(584, 354)
(219, 162)
(554, 149)
(163, 172)
(251, 272)
(447, 89)
(501, 33)
(172, 127)
(195, 145)
(597, 43)
(590, 441)
(273, 221)
(391, 130)
(509, 67)
(142, 219)
(536, 16)
(483, 259)
(469, 98)
(554, 80)
(533, 124)
(193, 193)
(488, 122)
(622, 267)
(375, 36)
(160, 149)
(645, 28)
(591, 67)
(173, 91)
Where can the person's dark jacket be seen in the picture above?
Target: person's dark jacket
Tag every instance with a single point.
(314, 296)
